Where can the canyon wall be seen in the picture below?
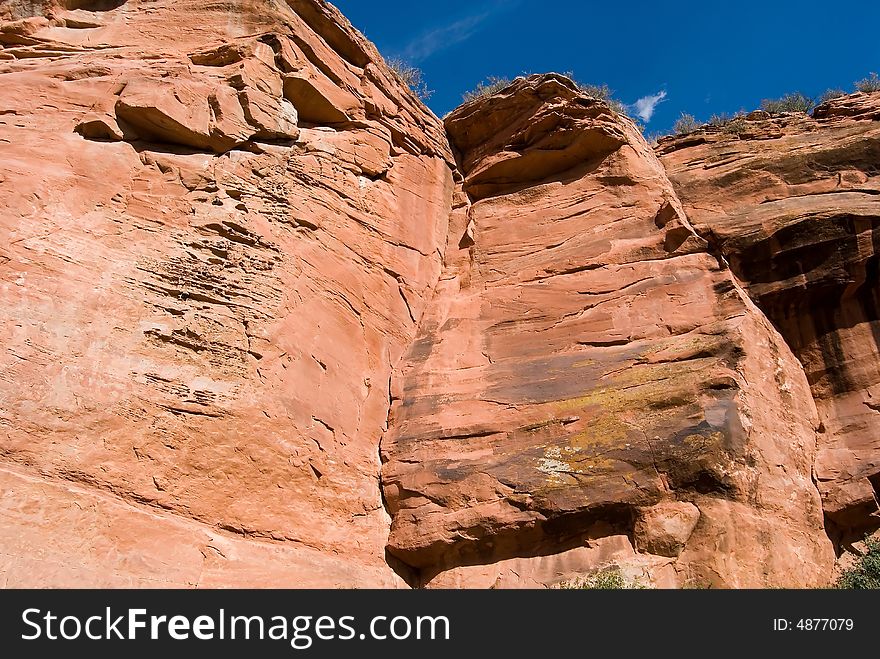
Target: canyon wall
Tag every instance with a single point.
(590, 382)
(791, 203)
(267, 321)
(221, 222)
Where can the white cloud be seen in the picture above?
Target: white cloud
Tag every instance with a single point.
(442, 37)
(646, 105)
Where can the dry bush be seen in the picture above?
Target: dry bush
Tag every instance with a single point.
(685, 124)
(869, 84)
(794, 102)
(489, 86)
(411, 76)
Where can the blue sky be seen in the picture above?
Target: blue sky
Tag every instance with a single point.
(697, 57)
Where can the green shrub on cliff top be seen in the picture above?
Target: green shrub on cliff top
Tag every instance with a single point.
(794, 102)
(603, 93)
(685, 124)
(830, 95)
(734, 124)
(869, 84)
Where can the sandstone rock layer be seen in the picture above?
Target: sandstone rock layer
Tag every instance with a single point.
(216, 239)
(586, 360)
(267, 321)
(793, 206)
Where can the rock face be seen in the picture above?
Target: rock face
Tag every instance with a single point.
(267, 321)
(792, 204)
(215, 241)
(586, 358)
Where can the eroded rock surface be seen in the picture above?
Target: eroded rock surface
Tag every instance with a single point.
(585, 357)
(793, 205)
(219, 225)
(267, 321)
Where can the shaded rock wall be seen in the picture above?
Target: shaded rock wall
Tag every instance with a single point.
(793, 206)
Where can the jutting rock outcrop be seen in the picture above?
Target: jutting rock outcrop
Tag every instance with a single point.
(590, 378)
(267, 321)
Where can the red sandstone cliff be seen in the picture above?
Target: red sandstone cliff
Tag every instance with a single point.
(221, 224)
(268, 322)
(792, 205)
(589, 382)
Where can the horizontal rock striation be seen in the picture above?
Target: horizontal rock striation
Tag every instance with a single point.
(587, 364)
(220, 224)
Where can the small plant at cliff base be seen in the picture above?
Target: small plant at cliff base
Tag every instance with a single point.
(491, 85)
(831, 94)
(866, 573)
(869, 84)
(609, 579)
(697, 584)
(411, 77)
(685, 124)
(794, 102)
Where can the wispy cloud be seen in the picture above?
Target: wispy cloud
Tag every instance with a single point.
(444, 36)
(646, 105)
